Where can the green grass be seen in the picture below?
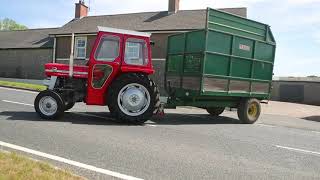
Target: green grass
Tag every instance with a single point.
(34, 87)
(17, 167)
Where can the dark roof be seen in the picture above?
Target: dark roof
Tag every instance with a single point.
(145, 21)
(31, 38)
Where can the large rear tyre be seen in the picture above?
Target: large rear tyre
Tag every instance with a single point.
(215, 111)
(49, 105)
(69, 105)
(249, 111)
(133, 98)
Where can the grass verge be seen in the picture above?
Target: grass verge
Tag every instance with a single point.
(34, 87)
(17, 167)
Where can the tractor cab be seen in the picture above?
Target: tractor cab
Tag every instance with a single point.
(120, 62)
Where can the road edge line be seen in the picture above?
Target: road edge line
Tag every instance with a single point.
(297, 150)
(13, 102)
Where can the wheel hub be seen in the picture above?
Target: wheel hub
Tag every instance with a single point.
(134, 99)
(253, 110)
(48, 105)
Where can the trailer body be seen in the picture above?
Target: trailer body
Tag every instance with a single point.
(232, 58)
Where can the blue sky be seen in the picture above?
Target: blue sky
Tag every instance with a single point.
(295, 23)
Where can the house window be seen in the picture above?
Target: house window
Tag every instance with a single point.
(108, 49)
(80, 47)
(133, 50)
(136, 52)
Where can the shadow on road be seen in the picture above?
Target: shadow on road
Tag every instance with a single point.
(312, 118)
(68, 117)
(104, 118)
(185, 119)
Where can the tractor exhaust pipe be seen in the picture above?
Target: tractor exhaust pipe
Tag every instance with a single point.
(71, 57)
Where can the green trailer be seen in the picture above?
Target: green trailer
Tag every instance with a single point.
(227, 64)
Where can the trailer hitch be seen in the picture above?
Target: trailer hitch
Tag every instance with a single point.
(160, 110)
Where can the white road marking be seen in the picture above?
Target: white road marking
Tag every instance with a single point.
(151, 125)
(19, 90)
(298, 150)
(318, 132)
(70, 162)
(13, 102)
(265, 125)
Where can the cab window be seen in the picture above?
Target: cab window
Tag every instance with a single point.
(108, 49)
(136, 52)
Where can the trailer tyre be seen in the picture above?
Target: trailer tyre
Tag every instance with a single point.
(49, 105)
(133, 98)
(249, 111)
(215, 111)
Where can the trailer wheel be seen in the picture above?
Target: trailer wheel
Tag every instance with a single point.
(49, 105)
(249, 111)
(133, 98)
(215, 111)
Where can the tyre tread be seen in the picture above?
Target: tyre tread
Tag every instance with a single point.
(57, 97)
(242, 111)
(130, 78)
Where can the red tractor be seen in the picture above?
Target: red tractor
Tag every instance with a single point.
(116, 76)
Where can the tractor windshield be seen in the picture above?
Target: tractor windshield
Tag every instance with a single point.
(108, 49)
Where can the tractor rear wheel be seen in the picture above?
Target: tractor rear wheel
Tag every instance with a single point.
(133, 98)
(49, 105)
(69, 105)
(215, 111)
(249, 111)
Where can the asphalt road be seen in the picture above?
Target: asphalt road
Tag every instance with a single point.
(185, 144)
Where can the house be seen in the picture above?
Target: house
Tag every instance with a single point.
(23, 53)
(160, 24)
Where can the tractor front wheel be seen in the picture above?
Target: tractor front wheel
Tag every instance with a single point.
(249, 111)
(49, 105)
(133, 98)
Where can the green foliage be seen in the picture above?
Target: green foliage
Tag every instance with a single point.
(9, 25)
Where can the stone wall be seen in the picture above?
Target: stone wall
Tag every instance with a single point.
(24, 63)
(304, 92)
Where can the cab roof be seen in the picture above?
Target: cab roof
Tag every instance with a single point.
(123, 31)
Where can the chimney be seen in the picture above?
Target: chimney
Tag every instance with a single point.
(81, 10)
(173, 6)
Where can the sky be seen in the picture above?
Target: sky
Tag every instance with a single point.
(295, 23)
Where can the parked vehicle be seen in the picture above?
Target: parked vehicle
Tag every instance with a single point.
(227, 64)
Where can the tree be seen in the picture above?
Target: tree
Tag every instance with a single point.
(9, 24)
